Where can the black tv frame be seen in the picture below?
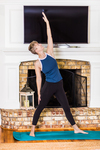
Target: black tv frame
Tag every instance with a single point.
(43, 8)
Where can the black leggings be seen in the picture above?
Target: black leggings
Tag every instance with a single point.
(47, 91)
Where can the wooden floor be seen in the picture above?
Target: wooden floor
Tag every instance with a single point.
(6, 136)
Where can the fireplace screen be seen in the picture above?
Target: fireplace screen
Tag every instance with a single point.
(75, 87)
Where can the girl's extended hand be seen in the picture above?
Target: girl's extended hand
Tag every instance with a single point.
(44, 17)
(39, 99)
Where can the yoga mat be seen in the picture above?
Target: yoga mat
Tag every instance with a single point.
(56, 135)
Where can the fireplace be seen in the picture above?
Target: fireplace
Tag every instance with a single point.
(75, 87)
(76, 81)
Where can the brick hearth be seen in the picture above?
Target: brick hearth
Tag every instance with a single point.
(50, 118)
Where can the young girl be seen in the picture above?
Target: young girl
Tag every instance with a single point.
(54, 82)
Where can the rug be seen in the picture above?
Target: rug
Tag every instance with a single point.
(56, 135)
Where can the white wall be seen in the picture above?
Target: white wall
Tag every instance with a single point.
(2, 40)
(14, 34)
(2, 25)
(11, 20)
(2, 44)
(13, 51)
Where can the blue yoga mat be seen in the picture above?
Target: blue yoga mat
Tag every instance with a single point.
(56, 135)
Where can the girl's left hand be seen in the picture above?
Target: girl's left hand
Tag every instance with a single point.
(44, 17)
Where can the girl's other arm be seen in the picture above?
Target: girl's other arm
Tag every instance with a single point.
(38, 79)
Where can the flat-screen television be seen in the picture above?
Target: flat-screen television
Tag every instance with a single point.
(69, 24)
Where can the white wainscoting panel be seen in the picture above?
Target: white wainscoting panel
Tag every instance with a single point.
(12, 86)
(94, 26)
(95, 84)
(16, 28)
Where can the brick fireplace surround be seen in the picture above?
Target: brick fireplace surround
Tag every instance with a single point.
(85, 117)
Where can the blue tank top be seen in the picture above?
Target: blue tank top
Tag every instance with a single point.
(50, 69)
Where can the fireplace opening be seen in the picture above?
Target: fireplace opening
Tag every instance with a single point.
(75, 87)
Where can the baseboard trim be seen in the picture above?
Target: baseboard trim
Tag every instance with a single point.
(53, 129)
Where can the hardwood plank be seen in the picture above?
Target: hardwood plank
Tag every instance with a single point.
(6, 136)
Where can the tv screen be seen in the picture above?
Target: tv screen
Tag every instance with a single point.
(69, 24)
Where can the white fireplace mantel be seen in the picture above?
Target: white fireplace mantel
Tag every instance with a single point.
(10, 75)
(85, 54)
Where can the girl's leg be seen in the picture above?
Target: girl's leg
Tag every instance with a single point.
(62, 98)
(46, 93)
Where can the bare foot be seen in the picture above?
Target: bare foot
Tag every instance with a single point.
(32, 134)
(32, 131)
(80, 131)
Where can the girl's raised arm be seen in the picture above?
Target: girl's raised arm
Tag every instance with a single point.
(49, 36)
